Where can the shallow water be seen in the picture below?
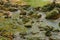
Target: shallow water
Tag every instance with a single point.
(53, 23)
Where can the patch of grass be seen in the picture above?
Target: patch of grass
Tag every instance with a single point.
(36, 3)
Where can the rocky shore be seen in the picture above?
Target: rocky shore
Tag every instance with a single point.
(24, 22)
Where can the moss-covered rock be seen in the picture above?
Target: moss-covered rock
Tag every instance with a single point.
(48, 7)
(54, 14)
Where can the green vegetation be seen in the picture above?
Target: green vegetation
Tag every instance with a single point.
(36, 3)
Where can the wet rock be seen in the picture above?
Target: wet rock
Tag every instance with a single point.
(7, 4)
(48, 28)
(56, 30)
(23, 12)
(54, 14)
(41, 29)
(25, 20)
(34, 33)
(59, 24)
(30, 13)
(21, 16)
(39, 15)
(28, 26)
(48, 7)
(48, 33)
(25, 7)
(23, 35)
(38, 8)
(8, 15)
(13, 9)
(36, 15)
(32, 22)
